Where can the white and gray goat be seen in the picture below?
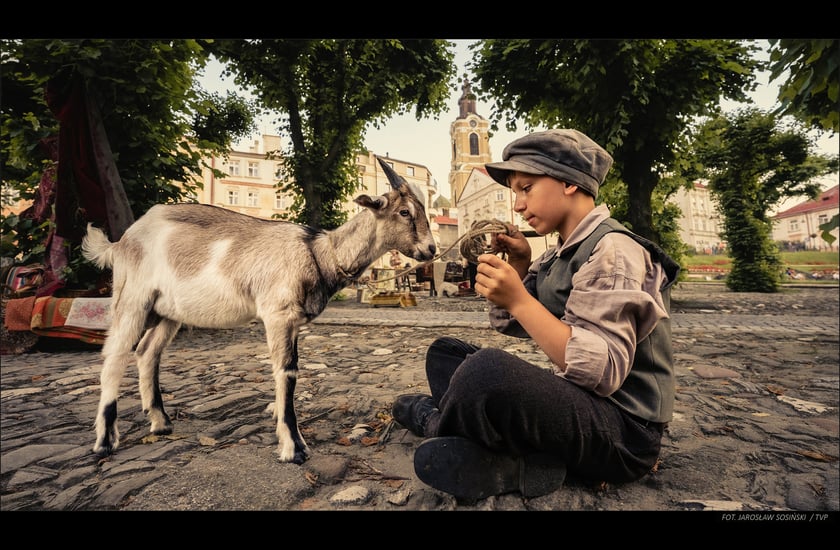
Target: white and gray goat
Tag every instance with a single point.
(204, 266)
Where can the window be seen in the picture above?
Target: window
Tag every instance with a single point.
(822, 218)
(281, 202)
(500, 195)
(253, 169)
(233, 196)
(253, 198)
(473, 144)
(793, 225)
(409, 170)
(233, 168)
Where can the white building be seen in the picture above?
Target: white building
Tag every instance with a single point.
(799, 226)
(700, 223)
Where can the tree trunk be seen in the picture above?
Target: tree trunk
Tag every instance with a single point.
(640, 185)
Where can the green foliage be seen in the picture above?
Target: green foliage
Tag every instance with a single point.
(816, 258)
(144, 92)
(218, 122)
(811, 92)
(635, 97)
(813, 259)
(826, 228)
(751, 165)
(328, 92)
(22, 239)
(665, 217)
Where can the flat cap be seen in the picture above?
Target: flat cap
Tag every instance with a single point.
(564, 154)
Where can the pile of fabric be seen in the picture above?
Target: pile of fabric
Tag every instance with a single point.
(26, 319)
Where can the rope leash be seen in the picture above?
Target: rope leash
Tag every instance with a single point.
(476, 241)
(480, 238)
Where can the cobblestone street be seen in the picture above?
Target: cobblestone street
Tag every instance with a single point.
(755, 429)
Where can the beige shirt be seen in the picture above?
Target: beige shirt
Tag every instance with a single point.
(615, 303)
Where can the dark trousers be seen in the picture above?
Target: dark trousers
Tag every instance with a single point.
(514, 407)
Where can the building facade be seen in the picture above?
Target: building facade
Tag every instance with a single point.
(469, 141)
(798, 228)
(700, 224)
(250, 182)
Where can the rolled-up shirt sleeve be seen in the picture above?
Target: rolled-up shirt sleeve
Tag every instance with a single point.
(615, 303)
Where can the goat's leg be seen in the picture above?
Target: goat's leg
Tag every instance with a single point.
(282, 345)
(149, 350)
(126, 328)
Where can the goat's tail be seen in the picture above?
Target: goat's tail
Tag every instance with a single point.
(97, 248)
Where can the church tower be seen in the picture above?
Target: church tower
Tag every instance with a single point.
(469, 141)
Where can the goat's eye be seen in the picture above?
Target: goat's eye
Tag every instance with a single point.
(405, 213)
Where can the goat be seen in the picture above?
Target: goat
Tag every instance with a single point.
(208, 267)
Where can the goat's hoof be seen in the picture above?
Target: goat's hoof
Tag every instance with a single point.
(159, 421)
(107, 443)
(299, 457)
(103, 451)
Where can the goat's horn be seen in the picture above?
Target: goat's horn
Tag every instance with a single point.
(394, 179)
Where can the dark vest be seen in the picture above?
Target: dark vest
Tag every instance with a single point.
(648, 391)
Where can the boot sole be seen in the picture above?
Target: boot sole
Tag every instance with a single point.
(458, 466)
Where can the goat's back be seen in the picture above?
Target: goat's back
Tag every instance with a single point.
(189, 234)
(208, 266)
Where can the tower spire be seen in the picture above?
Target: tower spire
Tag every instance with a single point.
(467, 101)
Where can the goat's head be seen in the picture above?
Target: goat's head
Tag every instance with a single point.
(402, 218)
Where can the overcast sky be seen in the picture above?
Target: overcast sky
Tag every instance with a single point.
(426, 142)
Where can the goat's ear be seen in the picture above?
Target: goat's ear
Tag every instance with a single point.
(374, 203)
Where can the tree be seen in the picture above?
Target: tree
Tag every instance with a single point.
(752, 164)
(158, 125)
(327, 92)
(825, 229)
(811, 92)
(635, 97)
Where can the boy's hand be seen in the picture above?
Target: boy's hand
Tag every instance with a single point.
(499, 282)
(516, 246)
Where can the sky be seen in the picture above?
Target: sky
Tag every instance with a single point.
(426, 142)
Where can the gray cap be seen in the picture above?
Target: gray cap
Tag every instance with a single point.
(566, 155)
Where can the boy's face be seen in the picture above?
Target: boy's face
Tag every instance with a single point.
(540, 199)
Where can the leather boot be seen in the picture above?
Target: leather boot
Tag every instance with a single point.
(413, 412)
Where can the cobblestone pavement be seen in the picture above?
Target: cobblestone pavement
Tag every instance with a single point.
(755, 429)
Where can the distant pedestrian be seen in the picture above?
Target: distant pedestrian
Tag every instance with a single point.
(395, 260)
